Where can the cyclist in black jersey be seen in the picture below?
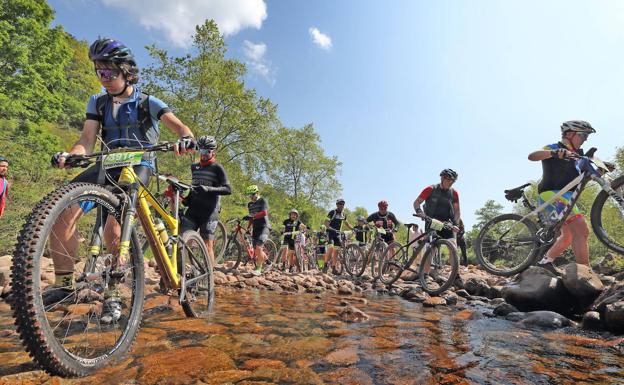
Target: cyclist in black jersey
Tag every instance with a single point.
(287, 251)
(441, 203)
(334, 221)
(559, 169)
(361, 230)
(321, 240)
(259, 221)
(210, 181)
(384, 219)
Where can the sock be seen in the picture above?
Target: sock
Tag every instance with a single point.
(64, 280)
(546, 259)
(259, 268)
(321, 263)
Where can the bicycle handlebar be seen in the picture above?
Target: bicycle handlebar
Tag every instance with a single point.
(76, 160)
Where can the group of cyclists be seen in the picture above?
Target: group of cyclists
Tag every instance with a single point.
(124, 116)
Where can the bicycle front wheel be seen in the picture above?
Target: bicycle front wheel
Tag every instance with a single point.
(220, 241)
(439, 267)
(354, 260)
(232, 255)
(88, 319)
(507, 244)
(270, 250)
(195, 268)
(607, 217)
(392, 263)
(376, 254)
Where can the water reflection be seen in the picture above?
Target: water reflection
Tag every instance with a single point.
(274, 338)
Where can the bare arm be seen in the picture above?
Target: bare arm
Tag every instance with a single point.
(539, 155)
(174, 124)
(457, 212)
(417, 204)
(86, 142)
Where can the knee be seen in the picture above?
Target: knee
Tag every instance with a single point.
(580, 228)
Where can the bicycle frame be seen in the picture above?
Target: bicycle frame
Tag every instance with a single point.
(140, 201)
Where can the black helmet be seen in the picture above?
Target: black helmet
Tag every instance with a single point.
(448, 173)
(577, 126)
(207, 142)
(105, 49)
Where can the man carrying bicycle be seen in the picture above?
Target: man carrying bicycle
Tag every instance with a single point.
(287, 251)
(334, 221)
(559, 169)
(259, 221)
(124, 117)
(386, 220)
(210, 181)
(441, 203)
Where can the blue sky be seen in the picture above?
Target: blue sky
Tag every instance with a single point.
(407, 88)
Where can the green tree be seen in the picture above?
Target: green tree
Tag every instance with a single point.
(300, 168)
(32, 62)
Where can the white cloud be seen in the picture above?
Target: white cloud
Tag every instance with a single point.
(320, 39)
(257, 62)
(254, 51)
(177, 19)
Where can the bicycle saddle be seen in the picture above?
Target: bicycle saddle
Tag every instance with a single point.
(514, 194)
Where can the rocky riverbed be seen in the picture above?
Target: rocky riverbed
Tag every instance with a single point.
(314, 328)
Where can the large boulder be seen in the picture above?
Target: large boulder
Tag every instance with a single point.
(545, 319)
(538, 289)
(582, 283)
(610, 305)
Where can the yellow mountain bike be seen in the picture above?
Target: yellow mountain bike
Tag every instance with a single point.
(87, 233)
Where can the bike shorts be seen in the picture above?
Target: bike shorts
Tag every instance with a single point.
(556, 208)
(90, 175)
(388, 237)
(334, 239)
(204, 224)
(289, 242)
(260, 236)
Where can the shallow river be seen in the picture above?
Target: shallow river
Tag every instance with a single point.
(261, 337)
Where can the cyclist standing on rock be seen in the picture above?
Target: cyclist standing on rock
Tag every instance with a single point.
(288, 246)
(124, 117)
(210, 181)
(559, 169)
(441, 203)
(334, 223)
(259, 220)
(386, 220)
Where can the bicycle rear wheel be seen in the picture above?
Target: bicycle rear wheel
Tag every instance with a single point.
(354, 260)
(270, 250)
(301, 258)
(376, 254)
(91, 319)
(507, 244)
(392, 263)
(607, 217)
(195, 268)
(439, 267)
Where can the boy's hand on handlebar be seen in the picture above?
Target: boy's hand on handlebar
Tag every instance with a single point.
(58, 159)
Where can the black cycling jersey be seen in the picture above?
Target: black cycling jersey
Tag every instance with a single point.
(361, 233)
(211, 182)
(336, 218)
(389, 217)
(258, 206)
(557, 173)
(290, 226)
(322, 238)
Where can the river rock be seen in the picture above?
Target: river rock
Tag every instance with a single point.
(591, 321)
(343, 357)
(5, 276)
(582, 283)
(434, 301)
(538, 289)
(612, 296)
(6, 261)
(344, 289)
(504, 309)
(516, 316)
(477, 286)
(352, 314)
(545, 319)
(219, 277)
(462, 293)
(614, 316)
(450, 298)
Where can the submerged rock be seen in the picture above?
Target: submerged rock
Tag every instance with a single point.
(352, 314)
(545, 319)
(538, 289)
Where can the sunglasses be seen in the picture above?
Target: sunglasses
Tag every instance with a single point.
(107, 73)
(583, 135)
(206, 151)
